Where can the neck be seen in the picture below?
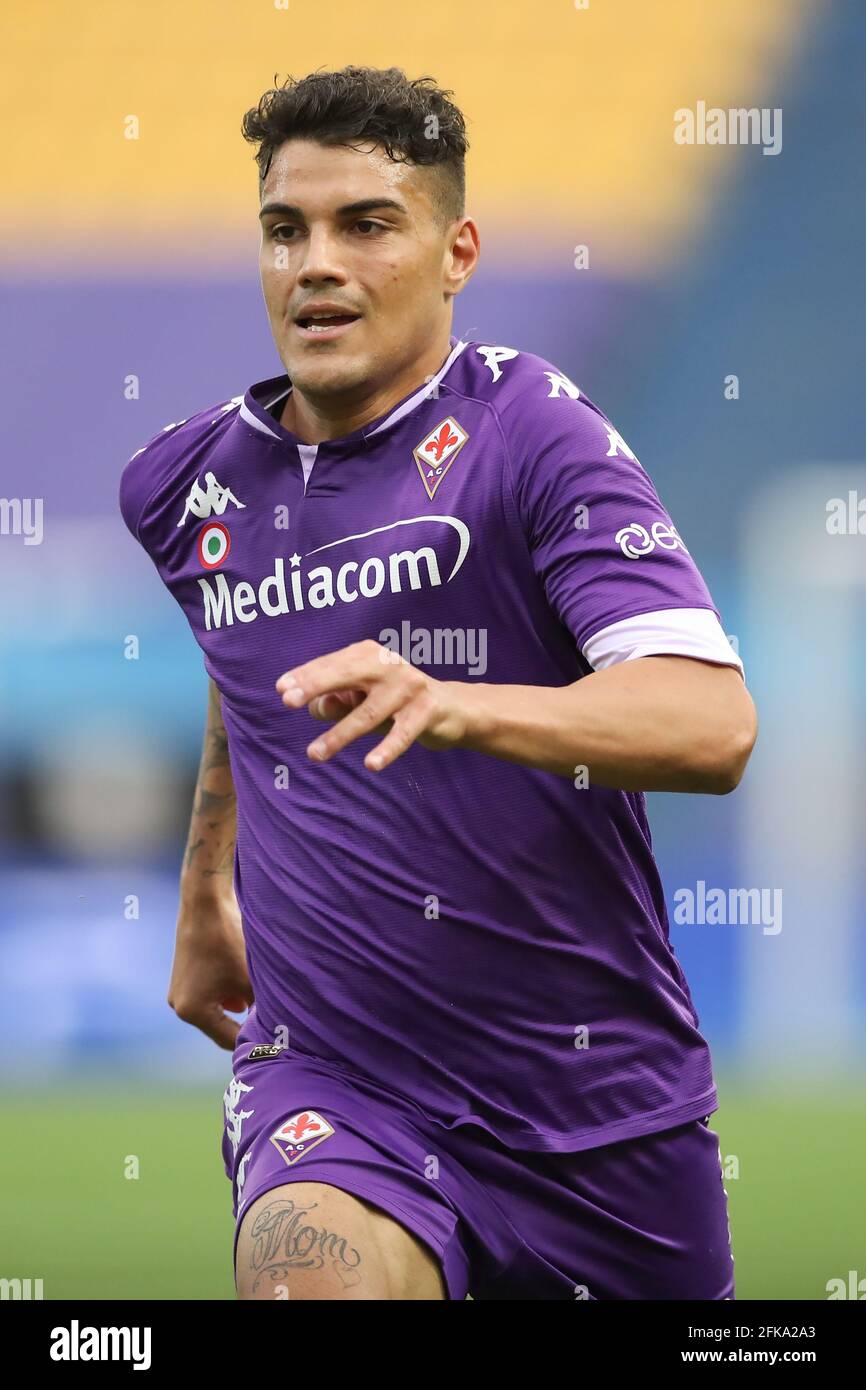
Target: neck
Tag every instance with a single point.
(315, 421)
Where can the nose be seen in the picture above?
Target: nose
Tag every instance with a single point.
(321, 263)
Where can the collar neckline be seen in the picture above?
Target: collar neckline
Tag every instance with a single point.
(254, 407)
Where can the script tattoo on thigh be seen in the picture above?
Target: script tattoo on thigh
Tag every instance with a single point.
(283, 1239)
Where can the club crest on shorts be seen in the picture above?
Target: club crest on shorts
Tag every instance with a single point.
(300, 1133)
(437, 451)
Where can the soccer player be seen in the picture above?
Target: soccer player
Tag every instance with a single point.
(452, 637)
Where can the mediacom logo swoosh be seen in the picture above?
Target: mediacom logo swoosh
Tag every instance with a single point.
(322, 586)
(459, 526)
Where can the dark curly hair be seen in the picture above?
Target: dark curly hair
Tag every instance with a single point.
(413, 121)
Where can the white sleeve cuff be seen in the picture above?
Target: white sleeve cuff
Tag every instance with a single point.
(670, 632)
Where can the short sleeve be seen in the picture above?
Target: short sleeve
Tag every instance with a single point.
(144, 472)
(135, 485)
(601, 542)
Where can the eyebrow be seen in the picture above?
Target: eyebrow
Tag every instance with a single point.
(347, 210)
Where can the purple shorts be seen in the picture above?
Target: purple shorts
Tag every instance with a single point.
(643, 1218)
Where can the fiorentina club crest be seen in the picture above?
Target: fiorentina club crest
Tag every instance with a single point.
(437, 451)
(300, 1133)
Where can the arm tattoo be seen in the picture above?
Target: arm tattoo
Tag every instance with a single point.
(212, 832)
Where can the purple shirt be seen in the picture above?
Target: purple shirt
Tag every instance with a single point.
(485, 939)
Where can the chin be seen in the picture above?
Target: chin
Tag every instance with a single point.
(327, 377)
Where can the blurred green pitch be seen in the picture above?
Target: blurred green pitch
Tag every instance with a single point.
(69, 1216)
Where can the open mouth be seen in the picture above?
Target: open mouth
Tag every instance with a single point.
(325, 326)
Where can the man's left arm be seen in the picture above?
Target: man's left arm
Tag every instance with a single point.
(661, 723)
(658, 723)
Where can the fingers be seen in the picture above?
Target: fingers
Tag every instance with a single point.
(236, 1003)
(332, 707)
(212, 1021)
(381, 693)
(412, 721)
(221, 1029)
(355, 666)
(380, 705)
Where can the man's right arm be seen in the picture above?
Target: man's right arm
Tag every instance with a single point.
(209, 973)
(208, 861)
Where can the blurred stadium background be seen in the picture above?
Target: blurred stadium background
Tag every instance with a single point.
(137, 257)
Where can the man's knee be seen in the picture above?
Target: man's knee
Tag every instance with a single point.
(308, 1240)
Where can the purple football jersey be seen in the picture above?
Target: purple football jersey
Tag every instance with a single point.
(485, 939)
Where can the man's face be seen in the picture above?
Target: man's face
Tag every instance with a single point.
(356, 233)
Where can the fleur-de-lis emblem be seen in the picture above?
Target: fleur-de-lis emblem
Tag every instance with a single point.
(439, 444)
(438, 450)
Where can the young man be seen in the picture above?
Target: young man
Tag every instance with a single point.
(473, 1063)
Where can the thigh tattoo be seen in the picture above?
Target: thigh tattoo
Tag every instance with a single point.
(283, 1239)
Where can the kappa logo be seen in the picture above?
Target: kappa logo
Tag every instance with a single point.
(437, 451)
(560, 382)
(617, 445)
(241, 1177)
(203, 501)
(234, 1116)
(300, 1133)
(494, 355)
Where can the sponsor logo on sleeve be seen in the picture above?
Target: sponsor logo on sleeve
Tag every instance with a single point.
(300, 1133)
(635, 540)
